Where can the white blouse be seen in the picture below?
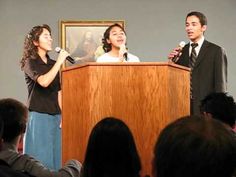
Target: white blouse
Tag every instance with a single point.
(108, 58)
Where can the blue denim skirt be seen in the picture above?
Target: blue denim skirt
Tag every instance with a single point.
(43, 139)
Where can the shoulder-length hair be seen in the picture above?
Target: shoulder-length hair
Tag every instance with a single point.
(111, 151)
(30, 50)
(106, 35)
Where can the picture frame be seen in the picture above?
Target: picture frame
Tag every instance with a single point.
(83, 39)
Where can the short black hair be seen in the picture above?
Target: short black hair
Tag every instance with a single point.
(13, 114)
(202, 18)
(194, 146)
(221, 106)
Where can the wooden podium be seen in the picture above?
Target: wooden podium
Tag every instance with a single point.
(146, 96)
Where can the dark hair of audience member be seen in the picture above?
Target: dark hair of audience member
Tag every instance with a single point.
(195, 147)
(14, 115)
(111, 151)
(221, 106)
(1, 131)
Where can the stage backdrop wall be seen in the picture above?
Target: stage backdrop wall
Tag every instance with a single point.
(153, 27)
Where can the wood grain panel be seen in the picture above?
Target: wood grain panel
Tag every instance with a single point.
(146, 96)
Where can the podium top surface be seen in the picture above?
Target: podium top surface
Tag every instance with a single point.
(170, 64)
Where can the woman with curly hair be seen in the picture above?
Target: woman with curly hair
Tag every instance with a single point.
(43, 134)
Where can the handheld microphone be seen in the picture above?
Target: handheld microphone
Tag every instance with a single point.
(123, 47)
(68, 58)
(181, 46)
(126, 56)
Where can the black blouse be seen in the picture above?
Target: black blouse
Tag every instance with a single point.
(41, 99)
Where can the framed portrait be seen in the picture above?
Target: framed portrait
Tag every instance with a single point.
(83, 39)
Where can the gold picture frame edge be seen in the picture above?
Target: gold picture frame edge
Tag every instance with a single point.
(89, 23)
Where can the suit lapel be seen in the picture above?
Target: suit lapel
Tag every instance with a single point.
(201, 54)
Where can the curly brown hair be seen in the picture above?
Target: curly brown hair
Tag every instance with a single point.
(30, 50)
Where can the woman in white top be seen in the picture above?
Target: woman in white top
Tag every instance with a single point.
(114, 40)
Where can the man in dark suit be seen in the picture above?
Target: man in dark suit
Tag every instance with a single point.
(208, 61)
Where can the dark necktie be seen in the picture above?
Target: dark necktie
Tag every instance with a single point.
(193, 58)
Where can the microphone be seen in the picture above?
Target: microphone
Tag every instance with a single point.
(68, 58)
(124, 48)
(181, 46)
(126, 56)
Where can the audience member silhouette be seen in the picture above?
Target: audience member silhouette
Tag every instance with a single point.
(5, 170)
(111, 151)
(219, 106)
(194, 146)
(14, 116)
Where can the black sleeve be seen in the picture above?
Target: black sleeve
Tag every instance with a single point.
(31, 69)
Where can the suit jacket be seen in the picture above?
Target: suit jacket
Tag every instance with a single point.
(209, 73)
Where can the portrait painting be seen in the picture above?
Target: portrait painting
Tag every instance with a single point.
(83, 39)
